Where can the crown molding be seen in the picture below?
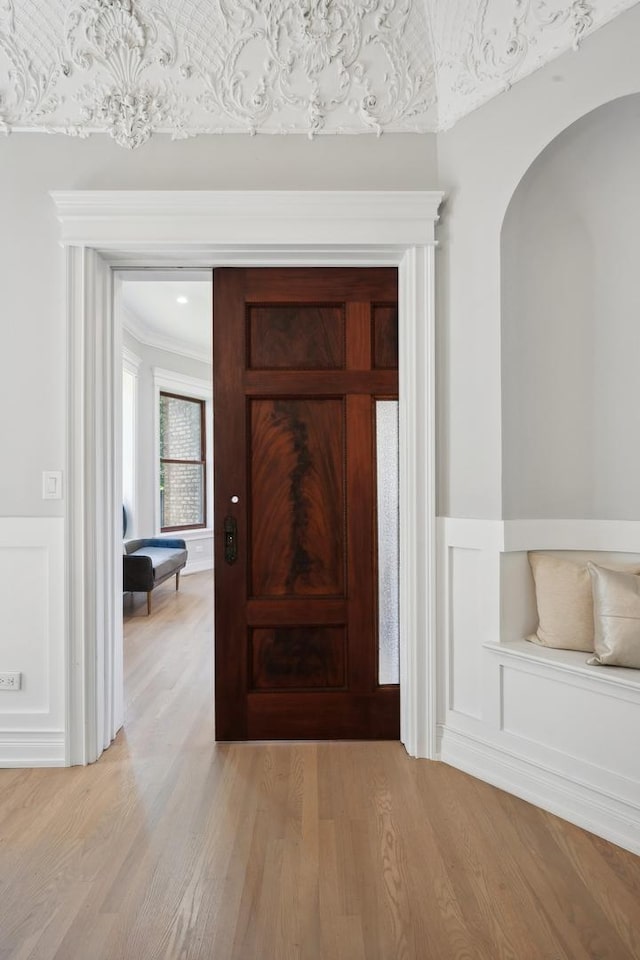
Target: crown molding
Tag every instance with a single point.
(171, 380)
(148, 337)
(130, 360)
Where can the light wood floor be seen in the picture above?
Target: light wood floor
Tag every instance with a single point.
(170, 848)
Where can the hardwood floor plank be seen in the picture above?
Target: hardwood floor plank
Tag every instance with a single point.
(578, 921)
(518, 907)
(328, 898)
(610, 895)
(174, 848)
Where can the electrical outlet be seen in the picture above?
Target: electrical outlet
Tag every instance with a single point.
(10, 681)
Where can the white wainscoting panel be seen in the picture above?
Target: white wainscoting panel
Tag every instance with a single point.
(25, 615)
(32, 640)
(539, 723)
(466, 576)
(200, 551)
(571, 719)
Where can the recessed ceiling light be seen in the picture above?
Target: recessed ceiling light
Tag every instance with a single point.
(182, 299)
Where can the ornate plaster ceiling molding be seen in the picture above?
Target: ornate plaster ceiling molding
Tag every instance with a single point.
(135, 67)
(132, 68)
(482, 47)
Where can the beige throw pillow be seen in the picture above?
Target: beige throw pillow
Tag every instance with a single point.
(616, 614)
(564, 601)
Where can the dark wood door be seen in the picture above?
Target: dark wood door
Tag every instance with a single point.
(300, 357)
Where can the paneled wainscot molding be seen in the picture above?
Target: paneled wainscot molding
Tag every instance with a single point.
(132, 68)
(32, 641)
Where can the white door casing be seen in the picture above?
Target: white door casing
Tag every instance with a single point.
(105, 230)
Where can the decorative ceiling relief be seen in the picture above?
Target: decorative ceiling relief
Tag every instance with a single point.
(136, 67)
(482, 47)
(132, 68)
(126, 50)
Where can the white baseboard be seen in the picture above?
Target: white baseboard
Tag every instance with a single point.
(614, 819)
(32, 748)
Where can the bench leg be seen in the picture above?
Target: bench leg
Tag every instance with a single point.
(148, 603)
(177, 580)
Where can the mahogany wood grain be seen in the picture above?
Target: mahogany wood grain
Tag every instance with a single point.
(174, 847)
(267, 612)
(302, 434)
(297, 541)
(329, 284)
(230, 480)
(300, 657)
(385, 336)
(320, 383)
(359, 341)
(301, 337)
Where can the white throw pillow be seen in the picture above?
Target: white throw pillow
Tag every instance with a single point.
(564, 601)
(616, 615)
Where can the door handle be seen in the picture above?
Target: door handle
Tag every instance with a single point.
(230, 539)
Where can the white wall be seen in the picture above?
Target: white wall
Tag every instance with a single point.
(481, 160)
(570, 332)
(130, 495)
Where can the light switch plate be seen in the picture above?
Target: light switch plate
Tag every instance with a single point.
(52, 485)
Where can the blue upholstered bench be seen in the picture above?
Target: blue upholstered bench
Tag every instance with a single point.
(148, 562)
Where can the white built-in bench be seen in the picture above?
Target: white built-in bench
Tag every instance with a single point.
(582, 717)
(571, 661)
(539, 722)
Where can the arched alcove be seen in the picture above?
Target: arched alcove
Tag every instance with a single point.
(570, 335)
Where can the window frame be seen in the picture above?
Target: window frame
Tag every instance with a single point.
(202, 462)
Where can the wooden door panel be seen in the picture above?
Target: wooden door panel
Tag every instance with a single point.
(300, 657)
(300, 356)
(297, 545)
(301, 337)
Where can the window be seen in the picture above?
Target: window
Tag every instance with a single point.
(182, 463)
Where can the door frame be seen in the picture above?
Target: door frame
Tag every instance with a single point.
(103, 231)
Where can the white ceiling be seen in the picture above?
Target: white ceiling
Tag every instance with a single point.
(153, 315)
(133, 68)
